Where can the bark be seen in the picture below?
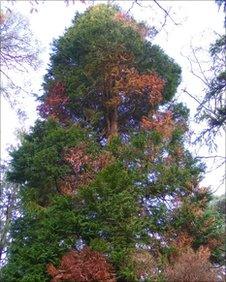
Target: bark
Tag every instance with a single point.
(112, 124)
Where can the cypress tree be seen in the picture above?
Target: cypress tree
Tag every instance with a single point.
(108, 190)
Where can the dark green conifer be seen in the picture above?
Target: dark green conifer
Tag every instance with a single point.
(105, 175)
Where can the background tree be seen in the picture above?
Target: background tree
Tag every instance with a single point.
(222, 3)
(219, 204)
(19, 52)
(211, 108)
(9, 206)
(105, 176)
(208, 66)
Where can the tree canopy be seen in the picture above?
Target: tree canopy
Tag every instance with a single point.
(110, 74)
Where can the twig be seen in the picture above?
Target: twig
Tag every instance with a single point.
(199, 102)
(165, 11)
(209, 157)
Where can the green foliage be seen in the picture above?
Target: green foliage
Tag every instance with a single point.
(218, 204)
(39, 163)
(107, 214)
(201, 223)
(154, 59)
(40, 238)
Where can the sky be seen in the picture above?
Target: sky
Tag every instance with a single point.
(196, 22)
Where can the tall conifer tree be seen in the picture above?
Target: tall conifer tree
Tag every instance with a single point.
(108, 190)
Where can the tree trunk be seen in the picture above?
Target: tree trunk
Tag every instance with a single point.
(112, 124)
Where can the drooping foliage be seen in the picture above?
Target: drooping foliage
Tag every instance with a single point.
(107, 185)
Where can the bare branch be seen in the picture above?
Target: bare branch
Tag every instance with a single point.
(210, 157)
(18, 53)
(199, 102)
(165, 11)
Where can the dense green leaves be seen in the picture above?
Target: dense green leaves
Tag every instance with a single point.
(154, 59)
(38, 162)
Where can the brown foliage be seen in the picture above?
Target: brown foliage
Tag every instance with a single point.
(83, 266)
(84, 168)
(77, 157)
(180, 244)
(121, 79)
(55, 103)
(191, 266)
(161, 122)
(124, 85)
(68, 185)
(144, 264)
(128, 21)
(133, 83)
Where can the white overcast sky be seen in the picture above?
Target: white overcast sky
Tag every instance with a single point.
(197, 22)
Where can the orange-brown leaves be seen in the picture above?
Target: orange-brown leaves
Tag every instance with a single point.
(191, 266)
(179, 152)
(57, 95)
(77, 157)
(80, 160)
(84, 168)
(113, 102)
(133, 83)
(51, 269)
(128, 21)
(55, 103)
(182, 242)
(127, 94)
(122, 78)
(68, 185)
(188, 265)
(102, 161)
(161, 122)
(83, 266)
